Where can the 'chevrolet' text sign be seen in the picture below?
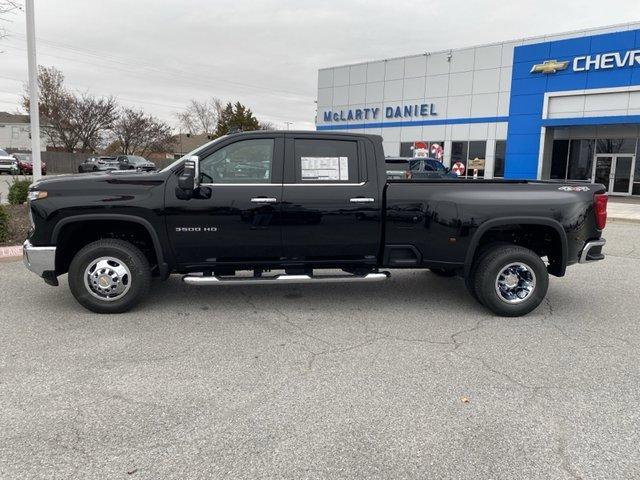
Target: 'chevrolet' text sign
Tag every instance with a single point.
(360, 114)
(606, 60)
(584, 63)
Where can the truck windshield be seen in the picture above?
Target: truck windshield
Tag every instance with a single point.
(192, 152)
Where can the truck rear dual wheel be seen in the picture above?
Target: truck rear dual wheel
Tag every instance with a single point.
(109, 276)
(510, 280)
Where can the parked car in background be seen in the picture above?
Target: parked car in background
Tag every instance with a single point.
(25, 164)
(98, 164)
(135, 162)
(8, 163)
(404, 168)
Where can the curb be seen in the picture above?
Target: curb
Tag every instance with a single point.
(14, 251)
(623, 220)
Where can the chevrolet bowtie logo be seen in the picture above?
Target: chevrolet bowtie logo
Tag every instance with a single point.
(549, 66)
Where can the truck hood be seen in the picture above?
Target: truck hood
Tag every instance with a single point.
(99, 180)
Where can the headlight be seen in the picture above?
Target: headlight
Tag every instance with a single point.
(36, 195)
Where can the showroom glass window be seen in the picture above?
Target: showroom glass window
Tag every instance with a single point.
(581, 154)
(247, 161)
(477, 149)
(406, 149)
(559, 159)
(459, 152)
(636, 175)
(498, 165)
(616, 145)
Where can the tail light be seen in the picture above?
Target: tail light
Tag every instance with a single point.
(600, 209)
(408, 175)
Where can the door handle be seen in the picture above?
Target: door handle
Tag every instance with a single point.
(264, 200)
(362, 200)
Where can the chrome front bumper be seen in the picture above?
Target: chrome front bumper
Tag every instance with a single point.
(592, 251)
(39, 259)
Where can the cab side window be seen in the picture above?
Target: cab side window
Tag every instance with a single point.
(328, 161)
(247, 161)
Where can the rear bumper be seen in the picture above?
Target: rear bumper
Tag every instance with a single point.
(592, 251)
(40, 260)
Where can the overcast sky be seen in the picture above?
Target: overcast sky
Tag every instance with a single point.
(157, 55)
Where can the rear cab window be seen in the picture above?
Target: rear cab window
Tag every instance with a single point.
(317, 161)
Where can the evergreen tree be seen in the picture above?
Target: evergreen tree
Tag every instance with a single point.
(236, 118)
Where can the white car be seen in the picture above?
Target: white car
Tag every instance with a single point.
(8, 163)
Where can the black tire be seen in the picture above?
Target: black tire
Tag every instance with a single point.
(133, 259)
(443, 272)
(527, 266)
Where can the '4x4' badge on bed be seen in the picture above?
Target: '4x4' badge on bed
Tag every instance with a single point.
(569, 188)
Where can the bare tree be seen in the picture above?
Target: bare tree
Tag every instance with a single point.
(200, 117)
(264, 125)
(93, 117)
(138, 133)
(7, 7)
(70, 121)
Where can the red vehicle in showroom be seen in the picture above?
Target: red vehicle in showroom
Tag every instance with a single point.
(25, 164)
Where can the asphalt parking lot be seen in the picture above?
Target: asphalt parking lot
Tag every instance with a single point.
(404, 379)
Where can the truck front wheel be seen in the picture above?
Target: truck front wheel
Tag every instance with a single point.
(511, 280)
(109, 276)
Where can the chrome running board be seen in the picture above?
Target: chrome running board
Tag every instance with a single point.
(193, 279)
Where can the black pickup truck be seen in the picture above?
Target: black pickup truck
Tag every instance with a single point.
(285, 205)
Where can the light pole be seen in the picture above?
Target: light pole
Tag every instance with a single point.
(288, 124)
(33, 93)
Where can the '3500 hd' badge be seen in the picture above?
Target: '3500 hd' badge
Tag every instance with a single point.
(569, 188)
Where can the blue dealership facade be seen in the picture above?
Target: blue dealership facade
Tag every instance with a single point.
(562, 107)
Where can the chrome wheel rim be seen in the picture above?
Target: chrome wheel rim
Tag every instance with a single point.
(515, 283)
(107, 278)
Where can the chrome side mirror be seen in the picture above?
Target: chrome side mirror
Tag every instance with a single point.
(189, 179)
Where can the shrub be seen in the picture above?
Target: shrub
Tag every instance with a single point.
(18, 192)
(4, 225)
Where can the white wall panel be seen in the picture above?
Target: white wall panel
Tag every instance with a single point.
(375, 72)
(411, 134)
(394, 69)
(434, 133)
(325, 78)
(486, 81)
(501, 130)
(462, 60)
(340, 76)
(413, 88)
(507, 53)
(460, 83)
(358, 74)
(460, 132)
(341, 95)
(503, 104)
(505, 79)
(478, 131)
(415, 66)
(437, 86)
(459, 107)
(438, 63)
(393, 90)
(357, 93)
(485, 105)
(488, 57)
(325, 97)
(391, 149)
(375, 92)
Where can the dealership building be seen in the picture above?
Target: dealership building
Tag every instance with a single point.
(563, 107)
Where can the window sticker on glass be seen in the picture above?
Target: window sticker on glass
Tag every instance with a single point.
(324, 168)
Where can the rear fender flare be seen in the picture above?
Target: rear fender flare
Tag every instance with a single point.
(506, 221)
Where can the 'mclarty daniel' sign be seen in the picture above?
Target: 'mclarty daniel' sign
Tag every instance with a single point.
(356, 114)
